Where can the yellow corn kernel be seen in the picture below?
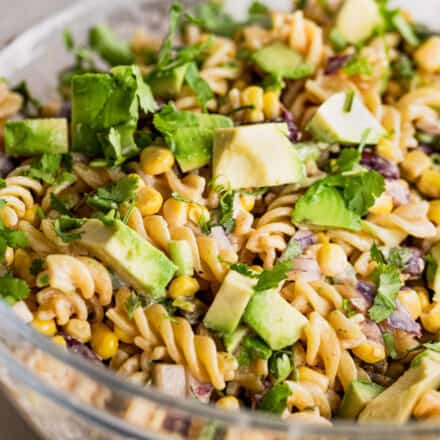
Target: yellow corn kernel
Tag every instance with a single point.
(423, 295)
(253, 95)
(271, 106)
(389, 150)
(256, 268)
(434, 211)
(332, 259)
(382, 205)
(308, 375)
(322, 238)
(429, 183)
(411, 301)
(370, 352)
(229, 403)
(31, 214)
(428, 55)
(148, 200)
(104, 342)
(45, 327)
(9, 256)
(183, 286)
(156, 160)
(196, 212)
(431, 319)
(79, 330)
(254, 116)
(59, 340)
(22, 265)
(122, 336)
(175, 212)
(247, 201)
(415, 163)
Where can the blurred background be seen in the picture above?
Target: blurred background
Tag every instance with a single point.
(18, 15)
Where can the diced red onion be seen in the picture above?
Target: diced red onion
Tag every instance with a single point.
(378, 163)
(398, 191)
(367, 291)
(401, 319)
(219, 235)
(76, 346)
(287, 117)
(335, 63)
(201, 391)
(306, 267)
(372, 331)
(304, 238)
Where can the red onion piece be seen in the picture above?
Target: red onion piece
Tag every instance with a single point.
(306, 267)
(378, 163)
(335, 63)
(401, 319)
(220, 236)
(76, 346)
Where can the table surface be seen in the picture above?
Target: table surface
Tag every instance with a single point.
(17, 16)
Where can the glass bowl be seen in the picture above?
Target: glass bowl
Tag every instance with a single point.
(66, 397)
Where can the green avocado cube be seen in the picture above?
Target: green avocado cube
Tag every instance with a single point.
(358, 19)
(229, 304)
(395, 404)
(181, 254)
(281, 61)
(168, 84)
(33, 137)
(233, 340)
(358, 395)
(133, 258)
(255, 156)
(276, 321)
(334, 123)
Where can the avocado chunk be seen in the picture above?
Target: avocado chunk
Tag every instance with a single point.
(181, 255)
(281, 61)
(104, 103)
(33, 137)
(396, 403)
(113, 50)
(433, 271)
(277, 322)
(169, 83)
(325, 207)
(254, 156)
(358, 19)
(229, 304)
(190, 135)
(333, 124)
(132, 257)
(233, 340)
(356, 398)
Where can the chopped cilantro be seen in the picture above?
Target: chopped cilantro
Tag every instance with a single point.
(36, 266)
(111, 196)
(244, 269)
(58, 205)
(275, 400)
(348, 160)
(433, 346)
(403, 68)
(337, 41)
(64, 224)
(281, 365)
(388, 339)
(31, 106)
(348, 308)
(136, 301)
(358, 65)
(258, 8)
(45, 168)
(13, 289)
(198, 85)
(377, 255)
(253, 348)
(348, 103)
(178, 197)
(212, 18)
(270, 279)
(12, 239)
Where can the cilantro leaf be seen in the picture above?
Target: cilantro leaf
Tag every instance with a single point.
(281, 365)
(244, 269)
(377, 255)
(111, 196)
(36, 266)
(12, 239)
(258, 8)
(253, 348)
(136, 301)
(270, 279)
(348, 308)
(198, 85)
(178, 197)
(226, 210)
(399, 257)
(212, 18)
(388, 283)
(349, 159)
(433, 346)
(388, 339)
(64, 224)
(13, 289)
(358, 65)
(45, 168)
(275, 400)
(58, 205)
(31, 106)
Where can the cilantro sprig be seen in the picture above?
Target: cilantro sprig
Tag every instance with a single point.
(13, 289)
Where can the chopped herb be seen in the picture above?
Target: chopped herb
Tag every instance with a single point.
(212, 18)
(136, 301)
(399, 257)
(178, 197)
(337, 41)
(388, 339)
(240, 109)
(198, 85)
(433, 346)
(226, 210)
(281, 366)
(36, 266)
(377, 255)
(358, 65)
(45, 168)
(205, 224)
(403, 68)
(275, 400)
(31, 105)
(58, 205)
(258, 8)
(270, 279)
(13, 289)
(348, 308)
(348, 160)
(111, 196)
(244, 269)
(12, 239)
(348, 103)
(253, 348)
(64, 224)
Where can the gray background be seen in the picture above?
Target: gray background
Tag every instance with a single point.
(17, 15)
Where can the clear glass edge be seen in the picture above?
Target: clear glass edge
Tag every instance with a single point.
(14, 57)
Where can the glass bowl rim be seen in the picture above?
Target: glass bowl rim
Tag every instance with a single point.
(16, 54)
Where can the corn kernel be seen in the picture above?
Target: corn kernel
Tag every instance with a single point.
(247, 202)
(183, 286)
(79, 330)
(411, 301)
(175, 212)
(423, 295)
(156, 160)
(22, 265)
(104, 342)
(272, 106)
(253, 96)
(59, 340)
(428, 55)
(45, 327)
(429, 183)
(370, 352)
(389, 150)
(122, 336)
(431, 319)
(148, 201)
(434, 211)
(332, 259)
(9, 256)
(253, 116)
(415, 163)
(382, 205)
(229, 403)
(196, 212)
